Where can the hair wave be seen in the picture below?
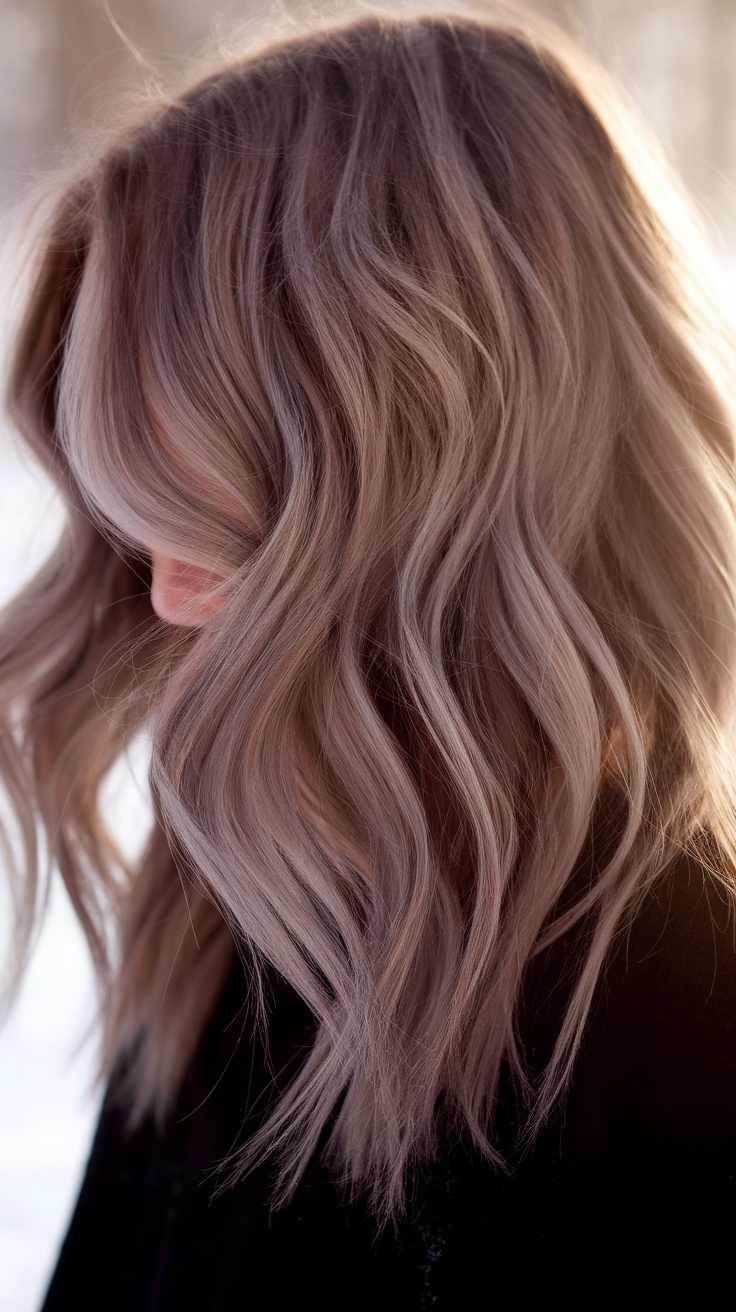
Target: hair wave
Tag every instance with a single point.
(385, 323)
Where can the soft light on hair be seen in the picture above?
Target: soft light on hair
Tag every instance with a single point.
(385, 324)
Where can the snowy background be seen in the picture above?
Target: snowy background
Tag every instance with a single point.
(48, 1103)
(47, 1108)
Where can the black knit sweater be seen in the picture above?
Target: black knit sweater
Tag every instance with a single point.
(630, 1191)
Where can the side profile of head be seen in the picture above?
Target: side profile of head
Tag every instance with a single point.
(375, 356)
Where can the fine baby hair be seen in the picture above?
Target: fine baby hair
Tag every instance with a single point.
(393, 327)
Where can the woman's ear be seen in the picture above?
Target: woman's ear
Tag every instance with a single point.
(181, 593)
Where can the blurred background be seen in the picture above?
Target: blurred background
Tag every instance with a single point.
(59, 60)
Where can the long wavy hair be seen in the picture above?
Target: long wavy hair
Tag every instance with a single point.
(391, 324)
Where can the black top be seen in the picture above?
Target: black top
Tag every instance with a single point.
(631, 1189)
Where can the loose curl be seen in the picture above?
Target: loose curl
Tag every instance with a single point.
(385, 324)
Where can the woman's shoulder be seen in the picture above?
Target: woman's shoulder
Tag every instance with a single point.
(669, 989)
(653, 1094)
(635, 1173)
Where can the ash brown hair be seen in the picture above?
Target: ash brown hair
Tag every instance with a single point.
(386, 323)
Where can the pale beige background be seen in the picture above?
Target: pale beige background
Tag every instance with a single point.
(60, 60)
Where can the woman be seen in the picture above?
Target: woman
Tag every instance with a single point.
(397, 436)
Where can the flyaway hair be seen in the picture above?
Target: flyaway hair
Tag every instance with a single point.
(384, 323)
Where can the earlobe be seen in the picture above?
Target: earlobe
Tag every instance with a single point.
(182, 593)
